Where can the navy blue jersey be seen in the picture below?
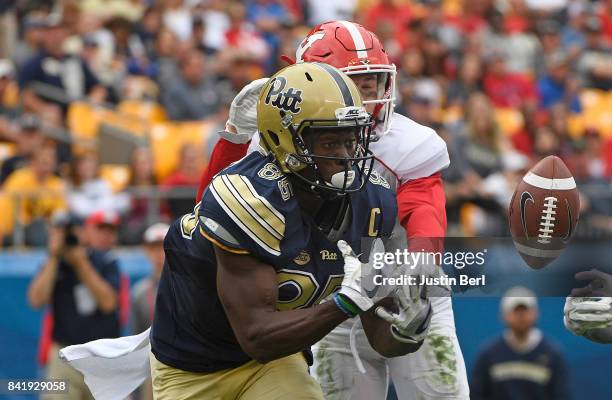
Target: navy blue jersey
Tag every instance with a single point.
(250, 208)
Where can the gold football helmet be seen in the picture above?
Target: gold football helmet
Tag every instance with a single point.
(308, 97)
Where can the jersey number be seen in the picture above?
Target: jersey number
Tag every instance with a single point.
(306, 287)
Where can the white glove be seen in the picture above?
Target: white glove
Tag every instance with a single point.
(243, 113)
(411, 323)
(351, 283)
(584, 314)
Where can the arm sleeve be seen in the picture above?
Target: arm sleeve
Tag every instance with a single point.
(559, 384)
(112, 275)
(244, 218)
(223, 154)
(421, 211)
(91, 80)
(480, 379)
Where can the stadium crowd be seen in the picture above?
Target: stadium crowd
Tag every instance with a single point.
(504, 82)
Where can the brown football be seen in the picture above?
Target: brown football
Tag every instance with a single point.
(544, 212)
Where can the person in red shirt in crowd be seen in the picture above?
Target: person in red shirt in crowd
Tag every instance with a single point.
(605, 16)
(389, 12)
(506, 89)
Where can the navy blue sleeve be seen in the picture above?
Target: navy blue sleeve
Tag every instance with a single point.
(248, 216)
(110, 272)
(480, 382)
(91, 80)
(559, 382)
(30, 72)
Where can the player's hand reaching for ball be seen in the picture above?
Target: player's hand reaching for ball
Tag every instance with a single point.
(411, 323)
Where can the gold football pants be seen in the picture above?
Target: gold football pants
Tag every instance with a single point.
(283, 379)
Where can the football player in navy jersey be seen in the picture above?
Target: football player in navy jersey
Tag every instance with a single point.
(273, 236)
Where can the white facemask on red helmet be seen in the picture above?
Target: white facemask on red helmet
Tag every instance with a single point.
(354, 50)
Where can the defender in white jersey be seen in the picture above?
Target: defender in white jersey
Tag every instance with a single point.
(410, 157)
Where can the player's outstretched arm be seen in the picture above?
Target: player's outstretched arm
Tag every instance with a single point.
(248, 291)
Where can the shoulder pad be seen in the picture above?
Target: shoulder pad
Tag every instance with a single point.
(411, 150)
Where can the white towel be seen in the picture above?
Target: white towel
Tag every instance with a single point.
(113, 368)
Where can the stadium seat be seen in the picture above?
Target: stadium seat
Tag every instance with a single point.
(83, 120)
(127, 122)
(147, 110)
(167, 139)
(117, 175)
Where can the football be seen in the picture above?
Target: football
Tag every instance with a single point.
(543, 212)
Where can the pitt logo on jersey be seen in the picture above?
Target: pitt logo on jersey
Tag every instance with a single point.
(289, 100)
(328, 255)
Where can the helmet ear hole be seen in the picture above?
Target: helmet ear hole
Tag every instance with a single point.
(275, 138)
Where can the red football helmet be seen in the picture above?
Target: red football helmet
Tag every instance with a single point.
(354, 50)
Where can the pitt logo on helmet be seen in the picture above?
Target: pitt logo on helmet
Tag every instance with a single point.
(283, 100)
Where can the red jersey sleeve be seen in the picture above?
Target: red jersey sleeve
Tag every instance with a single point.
(224, 153)
(422, 212)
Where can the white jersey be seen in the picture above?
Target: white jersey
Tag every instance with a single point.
(410, 150)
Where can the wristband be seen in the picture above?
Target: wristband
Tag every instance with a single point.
(345, 306)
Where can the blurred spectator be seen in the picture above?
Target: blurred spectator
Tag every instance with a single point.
(80, 282)
(268, 17)
(523, 363)
(468, 82)
(107, 9)
(147, 28)
(142, 183)
(391, 13)
(9, 96)
(319, 11)
(242, 35)
(52, 69)
(436, 56)
(191, 96)
(34, 194)
(163, 66)
(546, 142)
(550, 40)
(144, 291)
(476, 151)
(595, 62)
(423, 104)
(478, 147)
(177, 17)
(572, 37)
(506, 89)
(605, 16)
(520, 46)
(216, 22)
(557, 85)
(33, 39)
(28, 140)
(500, 185)
(182, 184)
(8, 28)
(88, 192)
(587, 162)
